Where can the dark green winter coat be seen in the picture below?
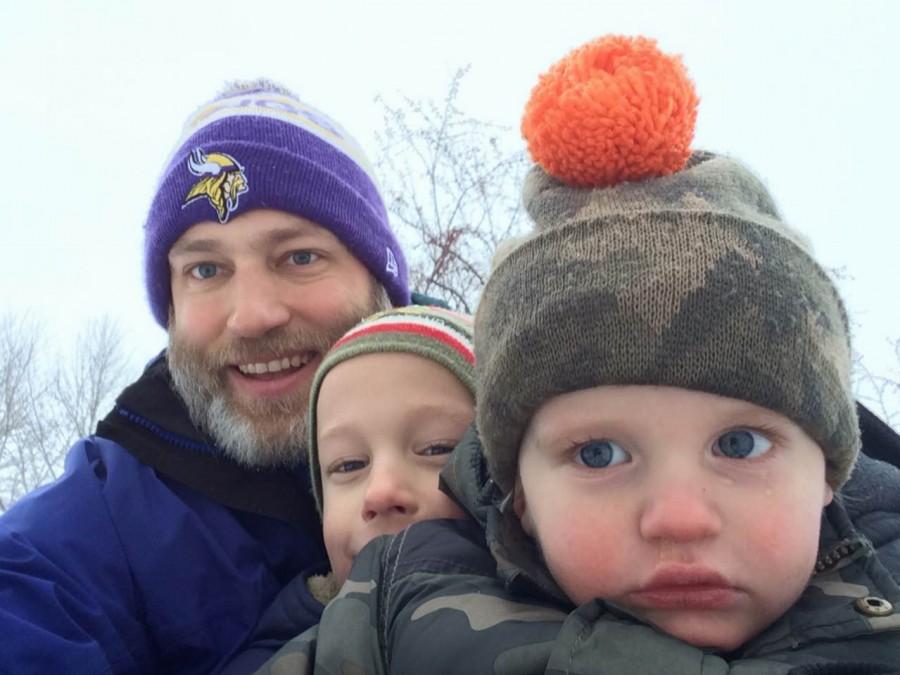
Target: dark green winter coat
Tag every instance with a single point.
(473, 597)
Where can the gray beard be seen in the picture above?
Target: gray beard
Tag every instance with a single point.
(255, 433)
(235, 433)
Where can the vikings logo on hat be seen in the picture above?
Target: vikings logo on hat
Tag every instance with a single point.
(222, 182)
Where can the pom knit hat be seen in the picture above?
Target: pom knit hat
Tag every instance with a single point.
(437, 334)
(652, 265)
(257, 146)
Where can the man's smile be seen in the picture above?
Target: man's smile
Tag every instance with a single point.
(277, 364)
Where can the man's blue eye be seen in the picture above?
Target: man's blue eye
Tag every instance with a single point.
(303, 257)
(204, 271)
(601, 454)
(742, 444)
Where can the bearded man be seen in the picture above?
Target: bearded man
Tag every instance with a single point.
(177, 523)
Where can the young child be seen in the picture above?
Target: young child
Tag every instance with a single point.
(389, 402)
(664, 406)
(388, 405)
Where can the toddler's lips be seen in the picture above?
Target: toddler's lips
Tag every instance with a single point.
(685, 597)
(685, 587)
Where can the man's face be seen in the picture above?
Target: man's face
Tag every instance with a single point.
(255, 305)
(385, 425)
(697, 513)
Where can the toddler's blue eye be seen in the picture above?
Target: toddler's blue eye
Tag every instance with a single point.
(601, 454)
(204, 271)
(742, 443)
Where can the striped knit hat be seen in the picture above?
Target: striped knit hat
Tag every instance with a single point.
(437, 334)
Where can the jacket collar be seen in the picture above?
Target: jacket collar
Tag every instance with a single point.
(848, 568)
(851, 593)
(519, 563)
(151, 422)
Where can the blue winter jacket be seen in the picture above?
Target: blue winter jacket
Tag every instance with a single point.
(294, 606)
(152, 553)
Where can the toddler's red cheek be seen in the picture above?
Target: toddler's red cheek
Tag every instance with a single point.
(776, 540)
(585, 558)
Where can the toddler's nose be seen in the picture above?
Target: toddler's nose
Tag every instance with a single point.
(680, 513)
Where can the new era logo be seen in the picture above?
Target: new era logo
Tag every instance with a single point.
(391, 267)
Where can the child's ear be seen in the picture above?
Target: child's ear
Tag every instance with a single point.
(828, 495)
(520, 506)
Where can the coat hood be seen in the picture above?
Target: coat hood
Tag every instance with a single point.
(853, 590)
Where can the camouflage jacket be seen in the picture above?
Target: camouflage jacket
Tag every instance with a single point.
(473, 597)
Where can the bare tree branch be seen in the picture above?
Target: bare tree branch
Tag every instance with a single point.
(881, 393)
(47, 401)
(468, 172)
(85, 384)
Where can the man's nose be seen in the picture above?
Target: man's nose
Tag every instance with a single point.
(389, 493)
(680, 508)
(257, 304)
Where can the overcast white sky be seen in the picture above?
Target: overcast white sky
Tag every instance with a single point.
(96, 92)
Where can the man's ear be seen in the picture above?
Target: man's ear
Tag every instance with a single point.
(520, 506)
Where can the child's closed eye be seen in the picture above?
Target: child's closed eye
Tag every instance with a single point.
(343, 466)
(437, 448)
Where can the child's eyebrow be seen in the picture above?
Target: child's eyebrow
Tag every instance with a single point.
(438, 410)
(570, 424)
(458, 416)
(332, 431)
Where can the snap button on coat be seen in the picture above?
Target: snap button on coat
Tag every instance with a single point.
(873, 606)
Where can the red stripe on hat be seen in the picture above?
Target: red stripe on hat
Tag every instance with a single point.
(416, 328)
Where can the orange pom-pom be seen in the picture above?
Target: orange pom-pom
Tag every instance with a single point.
(616, 109)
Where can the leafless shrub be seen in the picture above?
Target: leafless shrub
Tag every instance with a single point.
(48, 400)
(879, 392)
(452, 186)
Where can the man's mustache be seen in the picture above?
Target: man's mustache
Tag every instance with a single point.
(247, 350)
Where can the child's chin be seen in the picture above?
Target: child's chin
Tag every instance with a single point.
(708, 632)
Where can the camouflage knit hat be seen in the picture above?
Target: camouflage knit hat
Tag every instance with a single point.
(438, 334)
(652, 265)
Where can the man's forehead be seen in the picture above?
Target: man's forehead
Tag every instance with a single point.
(254, 229)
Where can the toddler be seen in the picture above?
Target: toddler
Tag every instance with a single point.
(666, 425)
(389, 402)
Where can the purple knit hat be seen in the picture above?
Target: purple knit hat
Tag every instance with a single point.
(256, 146)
